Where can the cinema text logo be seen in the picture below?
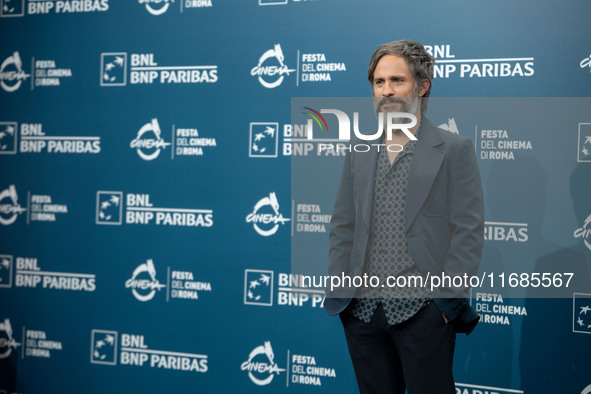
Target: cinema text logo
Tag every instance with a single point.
(12, 73)
(44, 7)
(493, 309)
(586, 63)
(30, 275)
(582, 313)
(447, 65)
(505, 231)
(10, 209)
(261, 365)
(159, 7)
(584, 232)
(271, 73)
(179, 284)
(292, 289)
(300, 369)
(265, 216)
(140, 210)
(584, 144)
(156, 7)
(142, 288)
(148, 142)
(144, 70)
(134, 351)
(7, 341)
(34, 140)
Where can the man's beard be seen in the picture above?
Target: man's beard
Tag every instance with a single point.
(407, 104)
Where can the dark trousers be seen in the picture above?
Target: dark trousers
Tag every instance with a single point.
(416, 355)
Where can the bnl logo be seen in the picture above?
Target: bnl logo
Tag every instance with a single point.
(114, 69)
(103, 347)
(582, 313)
(12, 8)
(263, 140)
(5, 270)
(109, 207)
(8, 132)
(584, 146)
(258, 287)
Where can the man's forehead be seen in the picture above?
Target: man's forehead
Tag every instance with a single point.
(391, 64)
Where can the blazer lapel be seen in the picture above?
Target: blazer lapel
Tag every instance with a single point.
(423, 170)
(366, 171)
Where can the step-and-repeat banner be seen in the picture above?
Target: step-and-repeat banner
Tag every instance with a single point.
(148, 219)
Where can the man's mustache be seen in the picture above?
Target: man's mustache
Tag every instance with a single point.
(390, 100)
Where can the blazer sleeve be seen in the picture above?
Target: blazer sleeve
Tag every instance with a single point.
(342, 223)
(466, 220)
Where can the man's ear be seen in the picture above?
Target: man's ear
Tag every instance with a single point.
(424, 87)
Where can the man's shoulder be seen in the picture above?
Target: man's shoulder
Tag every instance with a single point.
(451, 140)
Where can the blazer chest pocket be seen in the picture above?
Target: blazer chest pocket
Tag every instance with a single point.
(437, 203)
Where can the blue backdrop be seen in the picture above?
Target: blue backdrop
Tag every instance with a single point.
(146, 206)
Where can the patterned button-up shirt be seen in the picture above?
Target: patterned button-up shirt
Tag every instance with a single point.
(388, 253)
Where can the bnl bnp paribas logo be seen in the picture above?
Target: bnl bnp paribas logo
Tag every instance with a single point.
(145, 70)
(292, 289)
(133, 350)
(159, 7)
(140, 210)
(7, 341)
(265, 216)
(12, 73)
(12, 8)
(582, 313)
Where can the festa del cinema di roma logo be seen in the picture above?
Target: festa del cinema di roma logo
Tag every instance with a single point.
(271, 73)
(266, 221)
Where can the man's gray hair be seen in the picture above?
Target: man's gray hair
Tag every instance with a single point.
(419, 61)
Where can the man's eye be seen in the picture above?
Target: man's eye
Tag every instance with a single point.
(379, 83)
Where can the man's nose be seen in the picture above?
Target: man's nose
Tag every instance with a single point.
(388, 90)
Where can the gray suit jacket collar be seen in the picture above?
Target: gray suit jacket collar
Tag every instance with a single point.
(424, 168)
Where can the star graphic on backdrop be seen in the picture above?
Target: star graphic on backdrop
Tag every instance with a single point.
(585, 151)
(585, 309)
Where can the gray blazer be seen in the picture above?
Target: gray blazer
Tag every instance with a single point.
(444, 218)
